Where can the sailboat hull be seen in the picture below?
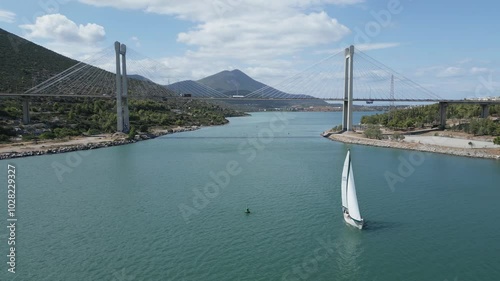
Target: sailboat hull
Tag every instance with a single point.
(352, 222)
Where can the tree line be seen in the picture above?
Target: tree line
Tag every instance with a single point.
(419, 117)
(62, 117)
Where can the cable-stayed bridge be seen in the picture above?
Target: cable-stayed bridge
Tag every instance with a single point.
(96, 77)
(347, 76)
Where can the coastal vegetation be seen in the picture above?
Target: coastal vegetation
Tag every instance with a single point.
(419, 117)
(64, 117)
(25, 64)
(373, 132)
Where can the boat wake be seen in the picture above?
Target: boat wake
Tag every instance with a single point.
(379, 225)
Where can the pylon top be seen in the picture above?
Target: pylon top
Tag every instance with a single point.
(123, 49)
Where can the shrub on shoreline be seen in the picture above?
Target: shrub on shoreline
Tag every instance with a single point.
(373, 132)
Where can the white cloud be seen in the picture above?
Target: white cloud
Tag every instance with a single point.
(479, 70)
(203, 11)
(440, 71)
(246, 34)
(261, 36)
(62, 35)
(136, 41)
(59, 28)
(363, 47)
(451, 71)
(463, 79)
(432, 70)
(7, 16)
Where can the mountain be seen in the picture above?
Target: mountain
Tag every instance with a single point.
(247, 85)
(138, 77)
(235, 82)
(25, 63)
(193, 88)
(229, 81)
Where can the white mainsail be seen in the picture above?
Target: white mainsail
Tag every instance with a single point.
(345, 174)
(352, 199)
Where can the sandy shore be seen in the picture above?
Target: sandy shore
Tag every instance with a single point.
(436, 144)
(24, 149)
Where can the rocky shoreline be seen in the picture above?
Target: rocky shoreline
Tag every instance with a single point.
(353, 138)
(62, 148)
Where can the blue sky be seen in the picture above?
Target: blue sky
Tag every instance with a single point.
(449, 47)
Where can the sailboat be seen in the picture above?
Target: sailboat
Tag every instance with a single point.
(350, 207)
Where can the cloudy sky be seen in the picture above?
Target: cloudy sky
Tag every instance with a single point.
(449, 47)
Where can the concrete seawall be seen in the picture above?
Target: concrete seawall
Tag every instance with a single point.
(62, 148)
(353, 138)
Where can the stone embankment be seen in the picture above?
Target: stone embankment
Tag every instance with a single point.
(353, 138)
(120, 140)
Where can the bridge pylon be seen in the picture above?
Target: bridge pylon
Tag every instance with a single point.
(348, 89)
(122, 112)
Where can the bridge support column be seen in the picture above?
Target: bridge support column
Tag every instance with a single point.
(26, 111)
(119, 109)
(126, 122)
(122, 113)
(348, 90)
(442, 114)
(485, 110)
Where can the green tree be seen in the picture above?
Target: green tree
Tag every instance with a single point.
(398, 136)
(373, 132)
(132, 133)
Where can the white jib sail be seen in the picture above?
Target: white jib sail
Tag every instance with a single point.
(345, 172)
(352, 199)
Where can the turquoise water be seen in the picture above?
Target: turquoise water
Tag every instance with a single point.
(127, 213)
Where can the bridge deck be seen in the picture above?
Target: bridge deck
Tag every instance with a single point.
(261, 99)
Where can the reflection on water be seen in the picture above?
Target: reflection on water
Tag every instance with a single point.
(371, 225)
(349, 251)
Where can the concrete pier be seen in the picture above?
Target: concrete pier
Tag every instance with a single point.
(26, 111)
(485, 110)
(442, 114)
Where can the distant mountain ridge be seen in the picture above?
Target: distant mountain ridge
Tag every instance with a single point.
(228, 84)
(231, 81)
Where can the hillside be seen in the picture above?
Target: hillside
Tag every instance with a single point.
(231, 81)
(191, 87)
(25, 63)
